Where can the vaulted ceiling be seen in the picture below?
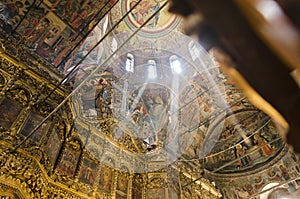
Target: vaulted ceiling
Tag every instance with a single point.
(130, 93)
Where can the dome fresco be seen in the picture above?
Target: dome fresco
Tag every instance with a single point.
(154, 111)
(160, 25)
(163, 113)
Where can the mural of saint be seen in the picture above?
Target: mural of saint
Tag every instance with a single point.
(161, 23)
(145, 10)
(273, 175)
(240, 151)
(41, 31)
(266, 149)
(284, 172)
(80, 17)
(258, 183)
(155, 100)
(91, 61)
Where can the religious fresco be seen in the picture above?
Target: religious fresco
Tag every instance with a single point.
(48, 36)
(9, 111)
(52, 146)
(247, 141)
(68, 162)
(81, 17)
(280, 171)
(149, 115)
(92, 60)
(200, 102)
(106, 179)
(88, 171)
(45, 34)
(136, 101)
(190, 111)
(12, 12)
(156, 193)
(206, 90)
(30, 22)
(96, 97)
(33, 121)
(78, 14)
(53, 28)
(161, 24)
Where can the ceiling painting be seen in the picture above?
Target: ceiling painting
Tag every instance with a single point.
(248, 184)
(243, 143)
(53, 29)
(12, 12)
(153, 116)
(161, 24)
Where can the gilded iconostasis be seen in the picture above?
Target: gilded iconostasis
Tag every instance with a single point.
(110, 99)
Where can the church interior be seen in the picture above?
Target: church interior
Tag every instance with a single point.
(149, 99)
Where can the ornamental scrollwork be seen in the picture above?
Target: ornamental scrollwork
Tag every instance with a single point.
(19, 94)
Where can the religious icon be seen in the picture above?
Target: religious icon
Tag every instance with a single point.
(68, 162)
(122, 183)
(33, 121)
(88, 171)
(158, 193)
(9, 111)
(52, 146)
(105, 181)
